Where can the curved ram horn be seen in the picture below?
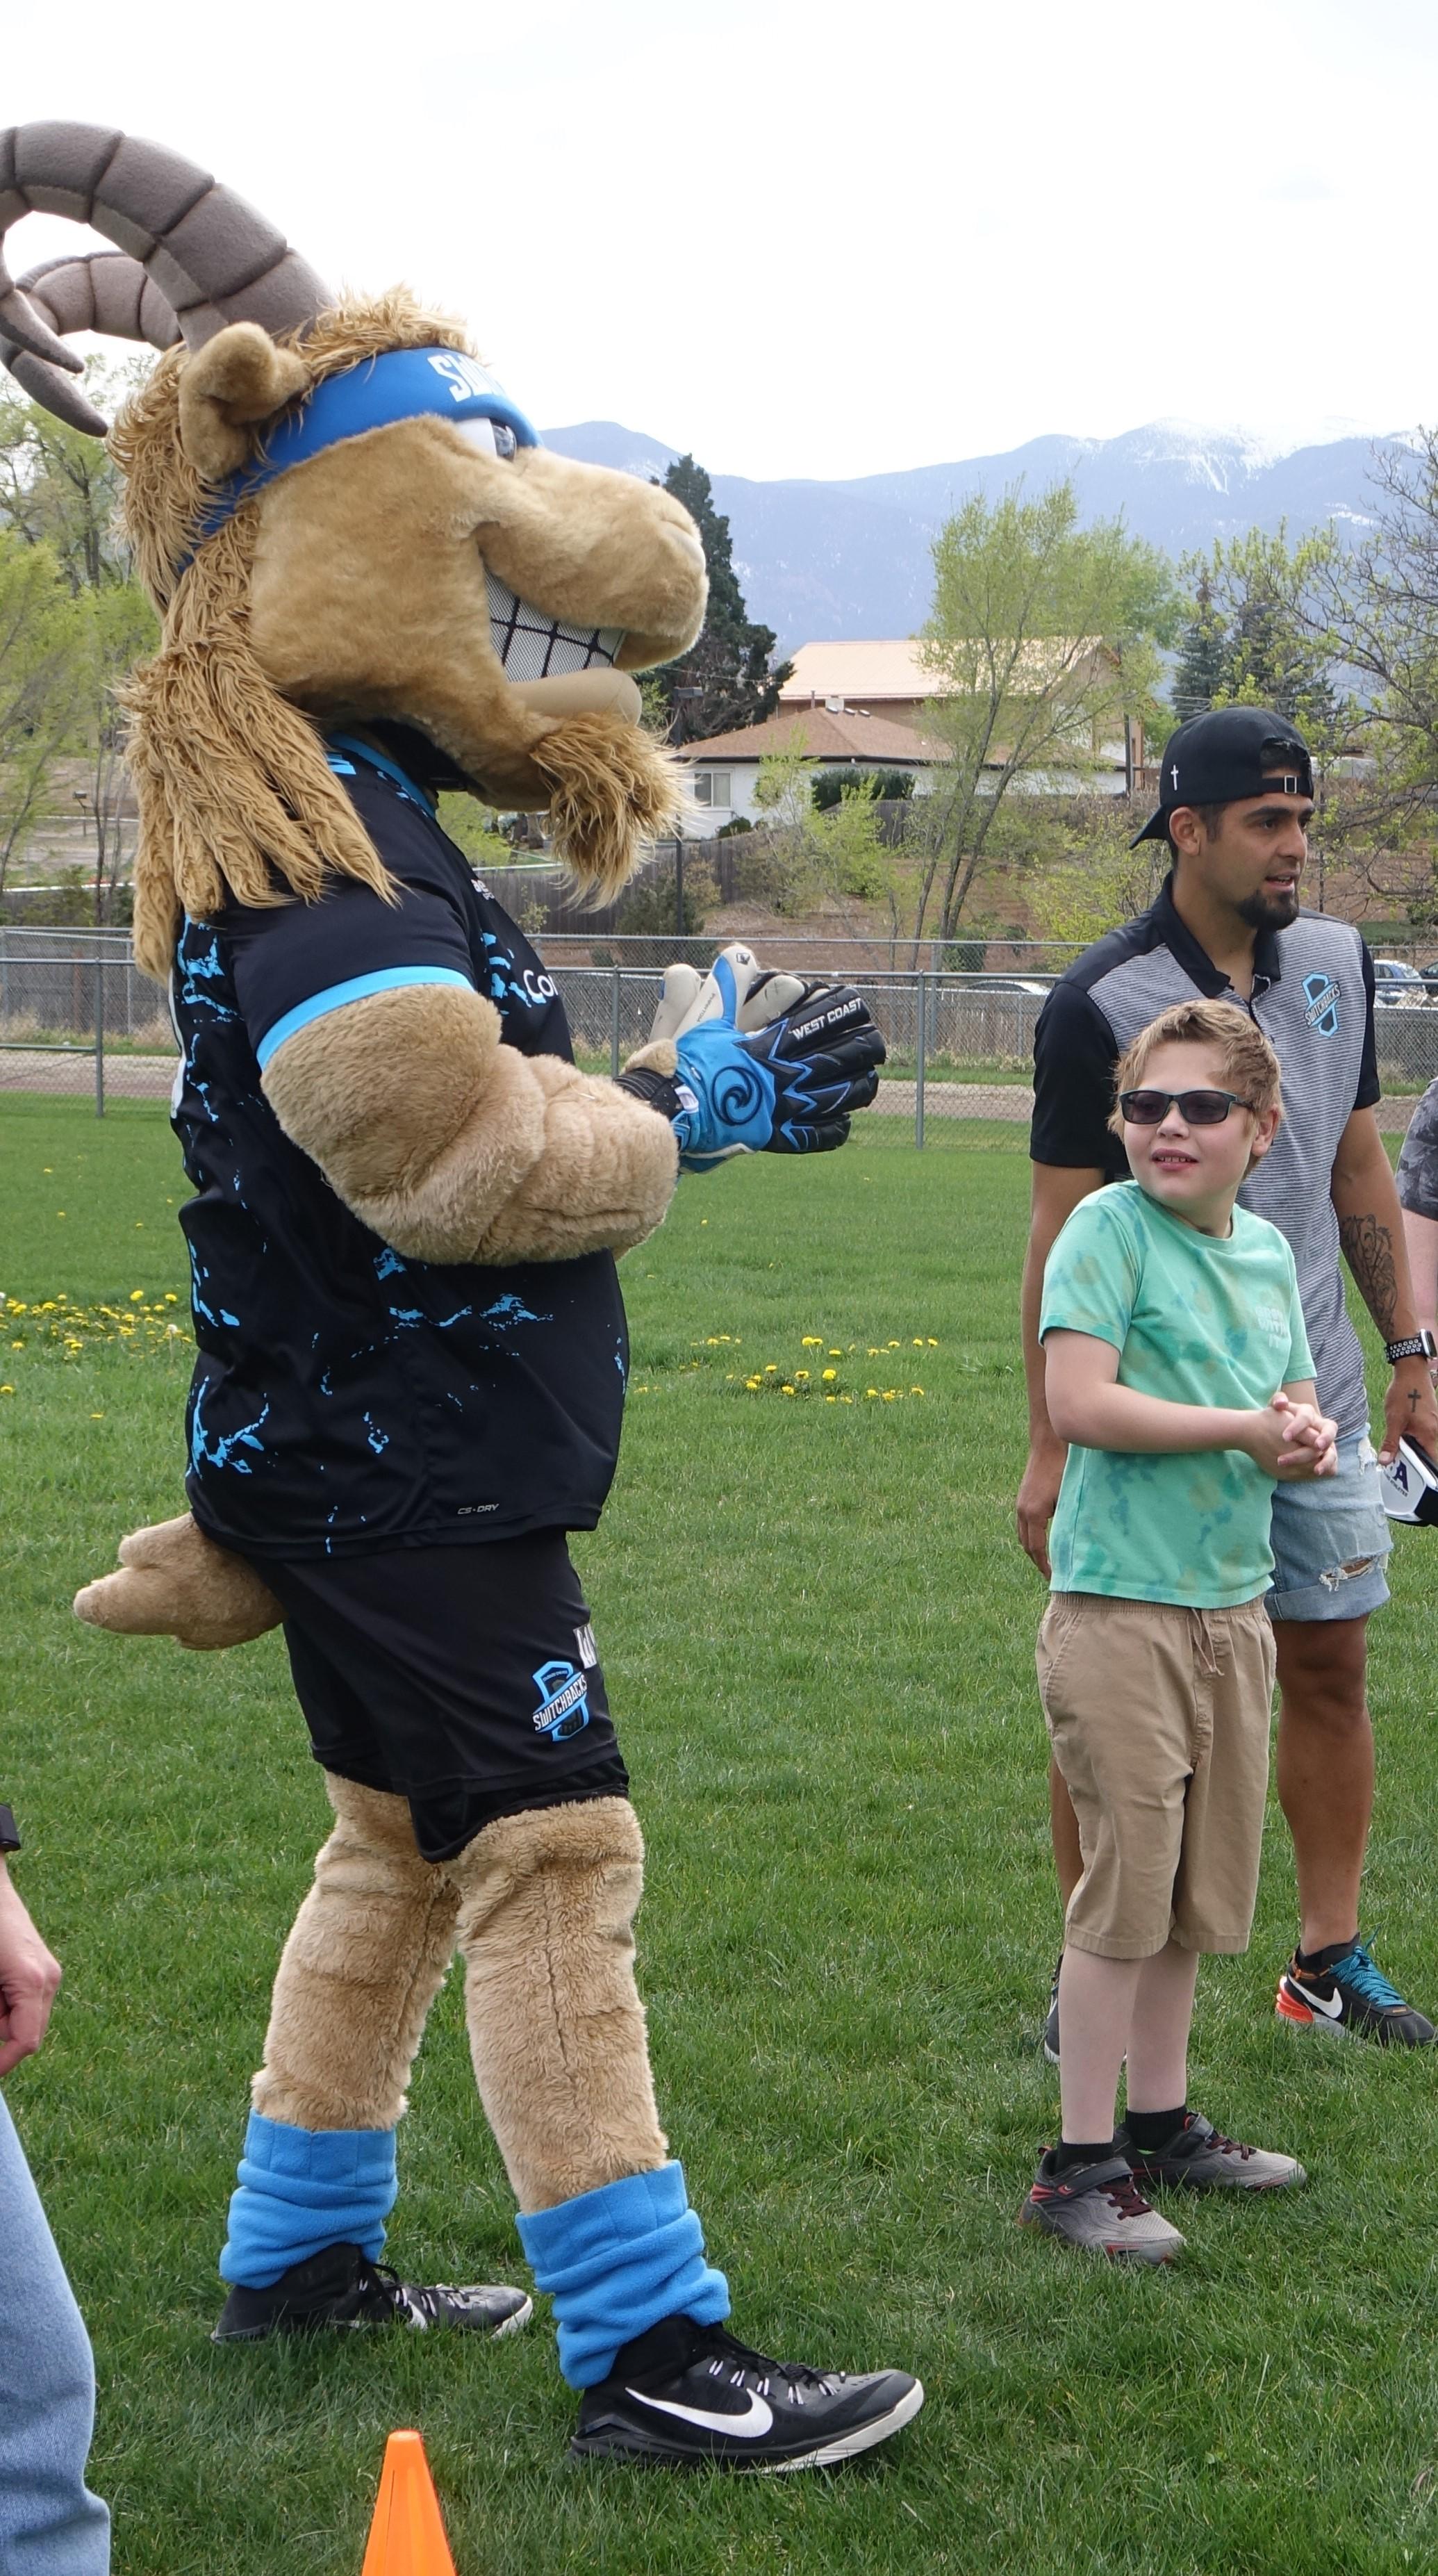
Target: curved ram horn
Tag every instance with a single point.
(103, 290)
(208, 256)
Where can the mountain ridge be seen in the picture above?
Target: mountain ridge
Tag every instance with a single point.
(843, 558)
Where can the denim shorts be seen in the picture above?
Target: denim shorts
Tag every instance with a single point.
(1330, 1539)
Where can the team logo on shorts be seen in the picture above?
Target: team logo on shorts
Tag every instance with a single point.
(1321, 995)
(563, 1700)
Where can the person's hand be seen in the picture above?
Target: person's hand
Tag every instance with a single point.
(1292, 1442)
(1037, 1499)
(1410, 1411)
(29, 1979)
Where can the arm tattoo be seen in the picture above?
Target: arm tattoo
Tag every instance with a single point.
(1368, 1251)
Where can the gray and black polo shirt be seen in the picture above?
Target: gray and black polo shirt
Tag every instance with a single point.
(1313, 999)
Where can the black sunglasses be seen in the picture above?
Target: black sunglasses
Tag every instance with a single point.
(1195, 1108)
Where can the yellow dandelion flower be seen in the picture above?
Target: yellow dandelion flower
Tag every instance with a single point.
(137, 1296)
(829, 1375)
(894, 1346)
(836, 1355)
(871, 1390)
(786, 1390)
(770, 1369)
(97, 1417)
(918, 1344)
(7, 1390)
(888, 1395)
(811, 1342)
(916, 1390)
(801, 1373)
(831, 1399)
(170, 1298)
(933, 1345)
(846, 1399)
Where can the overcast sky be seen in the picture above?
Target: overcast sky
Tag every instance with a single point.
(831, 240)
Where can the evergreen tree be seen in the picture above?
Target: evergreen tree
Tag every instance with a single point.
(728, 678)
(1199, 671)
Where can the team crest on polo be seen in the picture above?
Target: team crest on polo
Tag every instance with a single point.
(1321, 995)
(563, 1700)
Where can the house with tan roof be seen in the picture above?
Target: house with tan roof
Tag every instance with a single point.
(886, 677)
(724, 770)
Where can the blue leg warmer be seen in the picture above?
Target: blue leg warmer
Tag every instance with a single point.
(303, 2189)
(615, 2261)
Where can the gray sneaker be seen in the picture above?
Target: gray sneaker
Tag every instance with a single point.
(1051, 2017)
(1099, 2207)
(1198, 2157)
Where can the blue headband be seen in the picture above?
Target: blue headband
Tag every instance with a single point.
(402, 385)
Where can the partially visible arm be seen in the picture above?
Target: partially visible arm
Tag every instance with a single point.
(453, 1147)
(1420, 1234)
(1370, 1230)
(1055, 1193)
(1088, 1406)
(1071, 1149)
(29, 1979)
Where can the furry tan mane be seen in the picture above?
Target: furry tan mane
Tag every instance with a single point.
(234, 793)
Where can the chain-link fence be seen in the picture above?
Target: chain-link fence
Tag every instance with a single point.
(78, 1016)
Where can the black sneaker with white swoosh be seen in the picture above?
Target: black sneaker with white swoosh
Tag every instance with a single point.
(689, 2396)
(342, 2287)
(1350, 1994)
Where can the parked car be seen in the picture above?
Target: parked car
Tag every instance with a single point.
(1429, 974)
(1396, 983)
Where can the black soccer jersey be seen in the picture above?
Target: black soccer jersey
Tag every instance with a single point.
(346, 1397)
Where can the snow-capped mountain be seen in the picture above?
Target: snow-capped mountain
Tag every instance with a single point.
(852, 558)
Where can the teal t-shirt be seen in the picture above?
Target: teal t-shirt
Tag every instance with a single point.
(1198, 1321)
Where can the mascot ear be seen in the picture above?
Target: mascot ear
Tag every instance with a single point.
(236, 379)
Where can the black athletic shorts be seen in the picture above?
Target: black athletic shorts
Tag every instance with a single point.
(464, 1679)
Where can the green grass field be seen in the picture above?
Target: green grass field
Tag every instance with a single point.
(817, 1632)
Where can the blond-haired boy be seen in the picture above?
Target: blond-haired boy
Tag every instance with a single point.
(1178, 1369)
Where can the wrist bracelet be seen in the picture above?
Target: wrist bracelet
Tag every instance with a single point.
(1414, 1346)
(9, 1831)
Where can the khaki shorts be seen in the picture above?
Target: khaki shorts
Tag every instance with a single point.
(1159, 1719)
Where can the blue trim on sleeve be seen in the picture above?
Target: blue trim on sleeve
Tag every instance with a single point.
(385, 979)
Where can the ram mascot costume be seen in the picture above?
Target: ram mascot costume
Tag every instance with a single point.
(375, 584)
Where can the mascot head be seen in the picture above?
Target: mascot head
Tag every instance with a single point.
(342, 519)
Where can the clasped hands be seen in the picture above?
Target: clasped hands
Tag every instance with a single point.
(1294, 1441)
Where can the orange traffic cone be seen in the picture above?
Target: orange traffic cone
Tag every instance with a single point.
(406, 2537)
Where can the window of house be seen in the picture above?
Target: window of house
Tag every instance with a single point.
(712, 787)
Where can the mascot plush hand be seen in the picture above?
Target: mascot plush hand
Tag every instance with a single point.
(376, 583)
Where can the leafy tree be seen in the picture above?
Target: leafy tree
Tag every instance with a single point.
(116, 628)
(1255, 639)
(1094, 879)
(817, 854)
(474, 828)
(1042, 636)
(39, 652)
(728, 679)
(59, 488)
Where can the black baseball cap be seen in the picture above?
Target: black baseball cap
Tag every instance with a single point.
(1229, 753)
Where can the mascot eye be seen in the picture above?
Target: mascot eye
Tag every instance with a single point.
(491, 437)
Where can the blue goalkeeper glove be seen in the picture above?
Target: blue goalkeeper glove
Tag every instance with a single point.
(788, 1087)
(765, 1063)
